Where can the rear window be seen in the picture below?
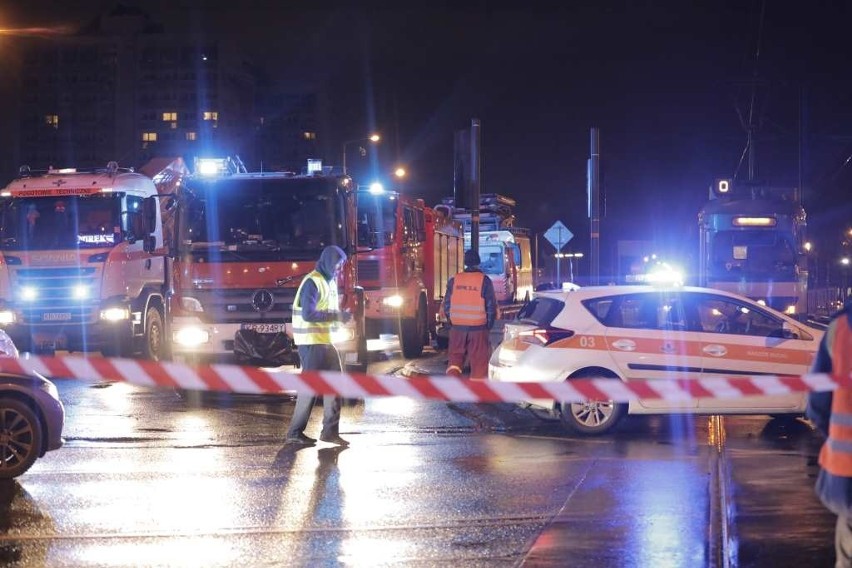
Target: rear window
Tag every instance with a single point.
(540, 311)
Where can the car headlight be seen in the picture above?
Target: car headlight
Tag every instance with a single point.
(394, 301)
(81, 292)
(342, 334)
(191, 336)
(116, 313)
(190, 304)
(29, 293)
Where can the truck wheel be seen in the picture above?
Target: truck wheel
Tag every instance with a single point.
(413, 330)
(153, 342)
(20, 438)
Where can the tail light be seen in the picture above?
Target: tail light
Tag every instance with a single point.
(544, 335)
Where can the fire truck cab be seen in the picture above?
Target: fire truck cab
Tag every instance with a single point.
(73, 272)
(507, 260)
(238, 244)
(406, 254)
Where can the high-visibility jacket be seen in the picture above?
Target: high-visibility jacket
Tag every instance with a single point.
(836, 453)
(467, 306)
(313, 332)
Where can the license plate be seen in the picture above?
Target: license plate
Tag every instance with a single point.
(264, 327)
(56, 316)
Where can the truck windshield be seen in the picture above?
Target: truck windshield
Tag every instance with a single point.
(761, 253)
(261, 219)
(376, 220)
(492, 259)
(66, 222)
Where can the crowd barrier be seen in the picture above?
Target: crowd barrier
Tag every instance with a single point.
(253, 380)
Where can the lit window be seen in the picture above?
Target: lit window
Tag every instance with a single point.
(309, 135)
(169, 116)
(191, 136)
(211, 115)
(149, 136)
(52, 120)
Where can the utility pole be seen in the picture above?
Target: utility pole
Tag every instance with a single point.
(594, 208)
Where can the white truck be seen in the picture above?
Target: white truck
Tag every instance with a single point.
(73, 272)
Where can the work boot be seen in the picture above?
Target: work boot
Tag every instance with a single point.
(335, 439)
(300, 439)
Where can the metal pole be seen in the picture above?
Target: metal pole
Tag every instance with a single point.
(536, 276)
(475, 182)
(558, 257)
(594, 208)
(344, 158)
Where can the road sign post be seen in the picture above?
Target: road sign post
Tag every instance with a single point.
(558, 235)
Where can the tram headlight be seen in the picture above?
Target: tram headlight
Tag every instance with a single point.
(754, 221)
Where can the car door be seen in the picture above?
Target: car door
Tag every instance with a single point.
(741, 338)
(648, 338)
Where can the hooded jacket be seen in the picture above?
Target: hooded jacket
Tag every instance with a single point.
(330, 257)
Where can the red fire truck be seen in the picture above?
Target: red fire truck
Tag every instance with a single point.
(503, 247)
(237, 245)
(73, 273)
(406, 254)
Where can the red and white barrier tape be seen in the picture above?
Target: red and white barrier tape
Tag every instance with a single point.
(252, 380)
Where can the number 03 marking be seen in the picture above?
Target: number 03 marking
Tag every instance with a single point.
(587, 342)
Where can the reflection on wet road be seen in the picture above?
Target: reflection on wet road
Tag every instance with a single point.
(153, 478)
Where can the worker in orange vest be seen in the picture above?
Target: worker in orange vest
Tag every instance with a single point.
(831, 413)
(471, 308)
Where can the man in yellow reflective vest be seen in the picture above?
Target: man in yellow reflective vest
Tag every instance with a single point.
(315, 312)
(471, 308)
(832, 415)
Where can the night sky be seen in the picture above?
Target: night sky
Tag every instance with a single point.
(666, 82)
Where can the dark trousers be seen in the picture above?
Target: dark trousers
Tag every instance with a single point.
(317, 358)
(476, 344)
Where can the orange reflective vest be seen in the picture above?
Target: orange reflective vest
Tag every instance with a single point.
(467, 306)
(836, 454)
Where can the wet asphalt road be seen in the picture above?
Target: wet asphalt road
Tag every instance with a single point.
(148, 478)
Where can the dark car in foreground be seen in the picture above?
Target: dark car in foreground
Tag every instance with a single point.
(31, 417)
(31, 421)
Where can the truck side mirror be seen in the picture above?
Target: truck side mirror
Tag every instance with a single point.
(149, 243)
(516, 254)
(149, 214)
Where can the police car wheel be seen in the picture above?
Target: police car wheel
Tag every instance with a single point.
(20, 438)
(592, 418)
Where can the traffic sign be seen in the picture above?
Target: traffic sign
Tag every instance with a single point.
(558, 235)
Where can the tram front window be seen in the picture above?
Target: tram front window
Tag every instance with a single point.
(751, 253)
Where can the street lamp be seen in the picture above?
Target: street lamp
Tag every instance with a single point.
(400, 172)
(372, 138)
(570, 256)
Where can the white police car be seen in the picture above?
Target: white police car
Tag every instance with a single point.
(645, 332)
